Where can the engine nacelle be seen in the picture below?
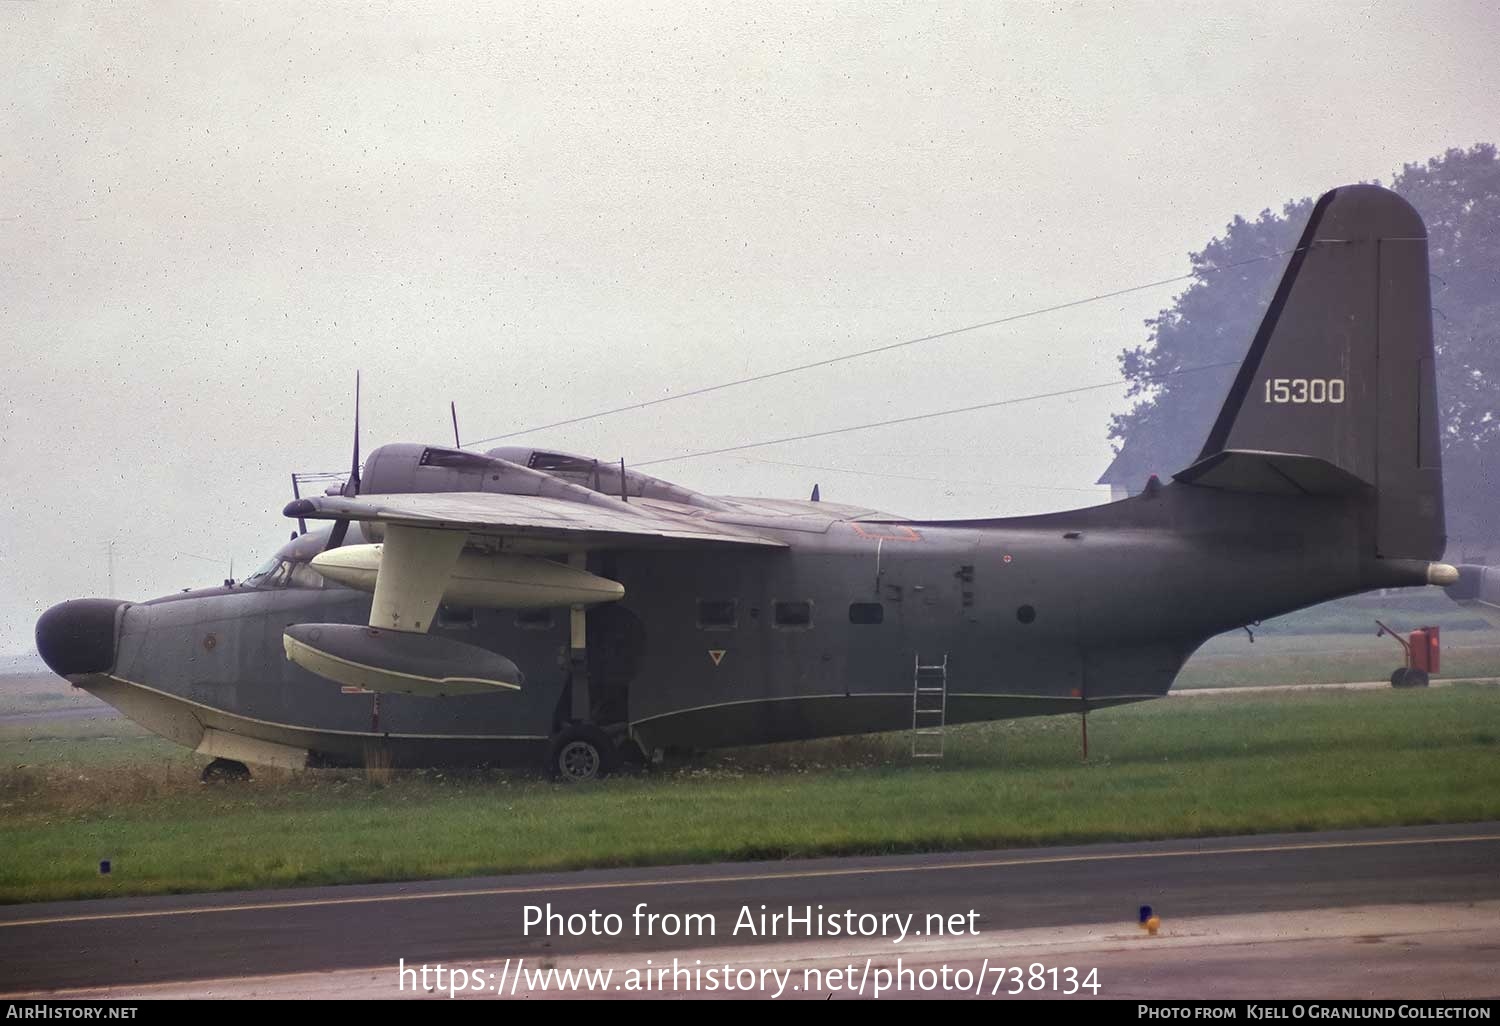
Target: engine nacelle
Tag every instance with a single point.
(403, 468)
(489, 581)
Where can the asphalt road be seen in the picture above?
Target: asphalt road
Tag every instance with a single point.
(146, 940)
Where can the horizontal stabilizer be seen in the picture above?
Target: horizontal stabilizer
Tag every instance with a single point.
(1272, 473)
(1478, 589)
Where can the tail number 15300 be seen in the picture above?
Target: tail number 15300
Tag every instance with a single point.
(1304, 390)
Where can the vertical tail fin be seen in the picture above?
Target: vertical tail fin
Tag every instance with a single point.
(1338, 394)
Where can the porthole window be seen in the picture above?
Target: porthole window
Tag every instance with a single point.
(534, 619)
(717, 614)
(1026, 614)
(866, 612)
(794, 614)
(455, 616)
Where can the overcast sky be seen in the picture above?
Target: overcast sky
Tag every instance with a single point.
(210, 215)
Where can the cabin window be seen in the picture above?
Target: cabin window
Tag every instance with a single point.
(794, 614)
(866, 612)
(717, 614)
(1026, 614)
(455, 616)
(534, 619)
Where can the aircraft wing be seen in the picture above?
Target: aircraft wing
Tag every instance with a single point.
(423, 558)
(533, 522)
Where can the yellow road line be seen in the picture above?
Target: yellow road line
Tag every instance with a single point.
(602, 885)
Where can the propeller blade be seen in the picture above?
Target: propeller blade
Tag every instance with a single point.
(351, 486)
(297, 496)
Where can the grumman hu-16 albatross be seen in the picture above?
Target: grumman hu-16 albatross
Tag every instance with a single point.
(524, 605)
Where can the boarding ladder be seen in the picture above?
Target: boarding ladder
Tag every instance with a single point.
(929, 707)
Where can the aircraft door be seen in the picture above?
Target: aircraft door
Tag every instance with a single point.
(616, 646)
(924, 590)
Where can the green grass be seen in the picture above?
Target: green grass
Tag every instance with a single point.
(86, 744)
(1403, 610)
(1231, 660)
(1237, 764)
(42, 692)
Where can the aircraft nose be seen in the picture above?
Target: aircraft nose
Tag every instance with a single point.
(78, 636)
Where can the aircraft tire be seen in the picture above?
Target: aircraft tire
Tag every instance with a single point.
(1408, 678)
(225, 770)
(581, 752)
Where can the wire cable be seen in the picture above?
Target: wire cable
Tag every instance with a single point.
(927, 416)
(830, 361)
(911, 477)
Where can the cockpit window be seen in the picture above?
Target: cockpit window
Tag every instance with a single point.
(281, 573)
(262, 576)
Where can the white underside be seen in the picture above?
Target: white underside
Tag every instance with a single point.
(224, 744)
(487, 581)
(377, 678)
(260, 742)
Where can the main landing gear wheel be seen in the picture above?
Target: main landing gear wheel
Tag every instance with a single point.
(581, 752)
(225, 769)
(1407, 678)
